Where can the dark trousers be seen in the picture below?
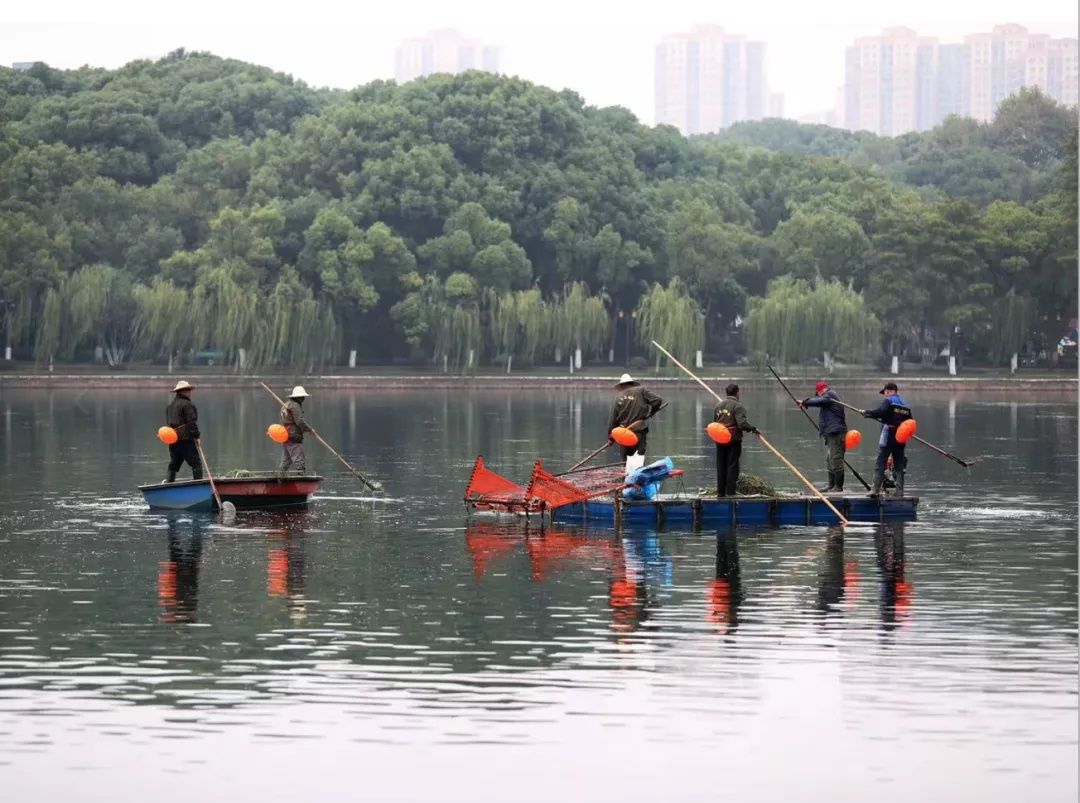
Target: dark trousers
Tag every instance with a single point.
(627, 451)
(727, 467)
(891, 448)
(185, 452)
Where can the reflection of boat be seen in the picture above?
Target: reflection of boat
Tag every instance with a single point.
(253, 490)
(678, 509)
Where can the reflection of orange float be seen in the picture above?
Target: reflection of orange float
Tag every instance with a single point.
(720, 601)
(851, 580)
(277, 572)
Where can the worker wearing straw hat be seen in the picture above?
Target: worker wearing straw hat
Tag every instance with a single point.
(182, 416)
(634, 406)
(292, 416)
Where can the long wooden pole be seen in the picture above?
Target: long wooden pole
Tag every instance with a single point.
(761, 438)
(937, 449)
(209, 476)
(375, 486)
(585, 460)
(811, 420)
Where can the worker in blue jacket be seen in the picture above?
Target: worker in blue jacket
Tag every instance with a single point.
(832, 427)
(892, 412)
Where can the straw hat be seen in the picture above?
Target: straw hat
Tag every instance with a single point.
(299, 393)
(626, 381)
(183, 384)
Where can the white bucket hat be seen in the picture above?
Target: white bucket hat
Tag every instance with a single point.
(299, 393)
(626, 379)
(183, 384)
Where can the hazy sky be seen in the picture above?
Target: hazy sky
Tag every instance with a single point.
(603, 50)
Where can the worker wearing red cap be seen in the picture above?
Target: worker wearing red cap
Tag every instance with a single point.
(832, 427)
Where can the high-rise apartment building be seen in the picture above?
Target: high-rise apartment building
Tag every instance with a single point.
(890, 82)
(899, 82)
(443, 51)
(707, 79)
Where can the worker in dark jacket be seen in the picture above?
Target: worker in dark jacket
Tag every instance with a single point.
(892, 412)
(634, 406)
(182, 416)
(292, 417)
(731, 413)
(832, 427)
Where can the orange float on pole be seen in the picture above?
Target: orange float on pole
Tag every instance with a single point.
(719, 433)
(852, 439)
(906, 430)
(167, 435)
(277, 433)
(624, 436)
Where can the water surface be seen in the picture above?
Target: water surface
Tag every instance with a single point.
(396, 650)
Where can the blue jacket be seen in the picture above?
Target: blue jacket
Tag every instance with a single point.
(892, 412)
(831, 418)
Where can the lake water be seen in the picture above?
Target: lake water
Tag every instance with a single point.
(394, 650)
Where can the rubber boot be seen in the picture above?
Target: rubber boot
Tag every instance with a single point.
(832, 484)
(196, 473)
(170, 477)
(838, 484)
(879, 478)
(899, 492)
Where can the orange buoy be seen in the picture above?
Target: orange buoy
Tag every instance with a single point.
(277, 433)
(624, 436)
(852, 439)
(718, 432)
(167, 435)
(906, 430)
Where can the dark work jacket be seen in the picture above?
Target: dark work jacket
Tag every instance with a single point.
(634, 404)
(182, 416)
(831, 418)
(731, 413)
(892, 412)
(292, 416)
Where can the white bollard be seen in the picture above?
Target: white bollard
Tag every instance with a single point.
(698, 361)
(352, 358)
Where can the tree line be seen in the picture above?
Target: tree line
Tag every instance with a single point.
(197, 204)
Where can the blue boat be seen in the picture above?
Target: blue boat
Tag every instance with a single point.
(680, 510)
(254, 490)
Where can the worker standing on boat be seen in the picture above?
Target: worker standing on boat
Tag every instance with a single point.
(634, 406)
(182, 416)
(292, 417)
(732, 414)
(892, 412)
(832, 427)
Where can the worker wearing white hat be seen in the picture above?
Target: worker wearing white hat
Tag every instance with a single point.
(292, 417)
(182, 416)
(634, 406)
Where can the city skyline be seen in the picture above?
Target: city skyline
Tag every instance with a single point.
(608, 63)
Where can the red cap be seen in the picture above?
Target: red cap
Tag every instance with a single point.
(821, 387)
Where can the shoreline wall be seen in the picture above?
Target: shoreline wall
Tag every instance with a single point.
(798, 384)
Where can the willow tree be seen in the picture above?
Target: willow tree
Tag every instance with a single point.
(231, 312)
(296, 330)
(165, 321)
(798, 321)
(443, 319)
(1011, 316)
(50, 327)
(671, 317)
(93, 306)
(580, 322)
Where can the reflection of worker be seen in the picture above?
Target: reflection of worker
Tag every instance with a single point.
(182, 416)
(178, 578)
(285, 568)
(731, 413)
(292, 417)
(831, 574)
(896, 592)
(725, 592)
(628, 591)
(634, 406)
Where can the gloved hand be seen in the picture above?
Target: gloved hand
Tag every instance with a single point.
(755, 430)
(193, 430)
(801, 404)
(865, 413)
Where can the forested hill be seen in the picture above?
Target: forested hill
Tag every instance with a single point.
(196, 203)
